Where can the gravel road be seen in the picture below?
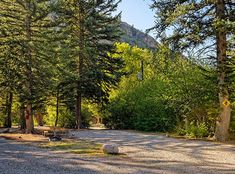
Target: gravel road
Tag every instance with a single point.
(146, 153)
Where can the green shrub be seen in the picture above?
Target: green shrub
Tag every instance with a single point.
(197, 131)
(119, 115)
(181, 131)
(141, 108)
(232, 123)
(67, 119)
(1, 119)
(86, 117)
(154, 116)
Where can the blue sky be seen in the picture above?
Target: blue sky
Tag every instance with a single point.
(137, 13)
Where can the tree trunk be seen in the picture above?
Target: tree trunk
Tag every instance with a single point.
(9, 100)
(78, 108)
(29, 119)
(22, 118)
(57, 107)
(223, 121)
(80, 64)
(9, 110)
(29, 115)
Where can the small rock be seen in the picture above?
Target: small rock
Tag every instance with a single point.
(110, 148)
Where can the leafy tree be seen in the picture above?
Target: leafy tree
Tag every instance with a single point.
(207, 26)
(192, 94)
(174, 92)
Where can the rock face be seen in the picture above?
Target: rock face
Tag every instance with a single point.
(110, 148)
(136, 37)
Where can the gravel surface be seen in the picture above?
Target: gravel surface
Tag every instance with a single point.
(145, 153)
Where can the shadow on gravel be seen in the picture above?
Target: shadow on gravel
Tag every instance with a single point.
(167, 154)
(16, 158)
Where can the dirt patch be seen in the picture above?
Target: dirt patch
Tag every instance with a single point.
(81, 147)
(24, 137)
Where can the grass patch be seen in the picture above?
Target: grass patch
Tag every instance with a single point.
(82, 147)
(72, 146)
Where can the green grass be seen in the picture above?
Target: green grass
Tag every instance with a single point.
(78, 147)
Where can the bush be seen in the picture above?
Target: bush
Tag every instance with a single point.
(181, 131)
(197, 131)
(154, 116)
(141, 108)
(86, 117)
(1, 119)
(119, 115)
(232, 123)
(67, 119)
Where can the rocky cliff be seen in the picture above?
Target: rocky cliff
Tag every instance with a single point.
(134, 36)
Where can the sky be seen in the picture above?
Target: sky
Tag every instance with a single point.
(137, 13)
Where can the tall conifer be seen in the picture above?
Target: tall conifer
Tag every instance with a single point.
(91, 31)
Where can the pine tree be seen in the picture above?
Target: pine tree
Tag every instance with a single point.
(25, 31)
(204, 25)
(91, 32)
(8, 68)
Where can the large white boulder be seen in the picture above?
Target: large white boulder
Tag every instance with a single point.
(110, 148)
